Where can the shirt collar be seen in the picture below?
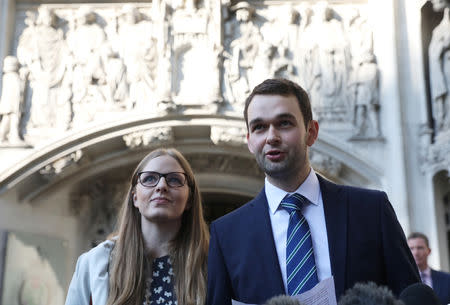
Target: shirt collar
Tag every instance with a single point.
(310, 188)
(426, 272)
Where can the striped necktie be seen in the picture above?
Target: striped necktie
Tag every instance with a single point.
(300, 264)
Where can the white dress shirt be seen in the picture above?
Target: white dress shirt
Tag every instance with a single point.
(315, 216)
(425, 276)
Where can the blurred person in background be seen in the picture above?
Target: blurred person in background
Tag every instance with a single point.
(438, 280)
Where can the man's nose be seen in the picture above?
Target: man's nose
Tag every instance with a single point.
(273, 135)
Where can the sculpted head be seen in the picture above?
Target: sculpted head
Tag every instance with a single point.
(46, 16)
(440, 5)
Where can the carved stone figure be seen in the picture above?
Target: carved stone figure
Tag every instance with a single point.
(162, 15)
(11, 102)
(360, 35)
(363, 85)
(116, 79)
(244, 49)
(139, 52)
(282, 33)
(325, 58)
(85, 41)
(43, 52)
(263, 67)
(439, 62)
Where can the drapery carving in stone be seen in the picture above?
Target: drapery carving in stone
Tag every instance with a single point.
(439, 62)
(138, 48)
(148, 137)
(85, 39)
(326, 57)
(11, 103)
(43, 52)
(228, 135)
(363, 85)
(58, 166)
(196, 55)
(243, 49)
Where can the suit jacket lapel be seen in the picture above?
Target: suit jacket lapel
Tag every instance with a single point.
(263, 226)
(335, 208)
(435, 281)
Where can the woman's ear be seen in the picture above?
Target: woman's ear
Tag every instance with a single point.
(134, 196)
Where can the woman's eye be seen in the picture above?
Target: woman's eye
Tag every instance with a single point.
(149, 178)
(174, 180)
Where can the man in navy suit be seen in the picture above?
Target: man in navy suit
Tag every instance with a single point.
(356, 236)
(438, 280)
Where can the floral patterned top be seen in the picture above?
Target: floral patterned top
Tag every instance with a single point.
(159, 287)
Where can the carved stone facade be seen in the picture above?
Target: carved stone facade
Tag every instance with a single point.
(80, 64)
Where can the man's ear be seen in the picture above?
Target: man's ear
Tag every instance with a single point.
(249, 144)
(312, 132)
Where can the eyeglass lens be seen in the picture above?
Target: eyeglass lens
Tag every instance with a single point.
(151, 179)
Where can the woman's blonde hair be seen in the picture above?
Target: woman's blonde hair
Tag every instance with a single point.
(188, 251)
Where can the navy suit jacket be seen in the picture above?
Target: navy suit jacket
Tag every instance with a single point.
(366, 243)
(441, 285)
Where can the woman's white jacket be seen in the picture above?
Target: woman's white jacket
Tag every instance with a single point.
(91, 277)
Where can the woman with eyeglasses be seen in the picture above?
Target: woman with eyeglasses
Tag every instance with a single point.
(159, 253)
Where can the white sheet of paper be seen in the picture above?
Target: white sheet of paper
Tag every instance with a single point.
(322, 294)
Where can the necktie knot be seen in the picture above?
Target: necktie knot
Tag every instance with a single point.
(294, 202)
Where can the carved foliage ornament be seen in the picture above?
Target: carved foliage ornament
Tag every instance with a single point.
(228, 135)
(58, 166)
(436, 156)
(148, 137)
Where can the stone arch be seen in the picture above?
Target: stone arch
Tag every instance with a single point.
(84, 177)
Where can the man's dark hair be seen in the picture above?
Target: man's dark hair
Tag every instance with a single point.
(283, 87)
(419, 235)
(369, 294)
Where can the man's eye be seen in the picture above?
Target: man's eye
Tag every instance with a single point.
(257, 127)
(285, 123)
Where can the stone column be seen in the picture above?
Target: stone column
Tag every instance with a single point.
(7, 22)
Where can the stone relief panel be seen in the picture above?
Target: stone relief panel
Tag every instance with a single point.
(435, 140)
(327, 48)
(80, 65)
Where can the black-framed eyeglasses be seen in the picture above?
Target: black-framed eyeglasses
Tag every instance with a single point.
(151, 179)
